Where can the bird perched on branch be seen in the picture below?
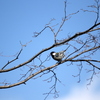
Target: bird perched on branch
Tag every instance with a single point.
(58, 55)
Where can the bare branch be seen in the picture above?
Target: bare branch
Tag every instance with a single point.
(24, 81)
(80, 70)
(85, 51)
(54, 45)
(93, 65)
(76, 50)
(24, 45)
(40, 69)
(87, 60)
(12, 60)
(91, 78)
(63, 21)
(52, 87)
(97, 7)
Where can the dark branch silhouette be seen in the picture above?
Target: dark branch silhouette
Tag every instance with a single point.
(81, 53)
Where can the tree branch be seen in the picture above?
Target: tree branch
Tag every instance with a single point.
(12, 60)
(54, 45)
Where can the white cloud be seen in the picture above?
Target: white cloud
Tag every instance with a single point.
(82, 93)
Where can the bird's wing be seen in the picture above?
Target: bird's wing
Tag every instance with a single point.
(57, 55)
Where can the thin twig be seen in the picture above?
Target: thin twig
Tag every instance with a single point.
(12, 60)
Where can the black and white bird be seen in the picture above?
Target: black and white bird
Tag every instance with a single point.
(58, 56)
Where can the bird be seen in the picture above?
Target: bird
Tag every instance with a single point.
(58, 56)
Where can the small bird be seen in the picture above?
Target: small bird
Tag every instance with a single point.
(58, 55)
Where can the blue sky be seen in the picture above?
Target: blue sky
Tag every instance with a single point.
(19, 19)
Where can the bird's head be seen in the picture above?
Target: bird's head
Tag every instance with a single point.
(52, 53)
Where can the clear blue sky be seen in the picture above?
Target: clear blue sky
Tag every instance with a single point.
(19, 19)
